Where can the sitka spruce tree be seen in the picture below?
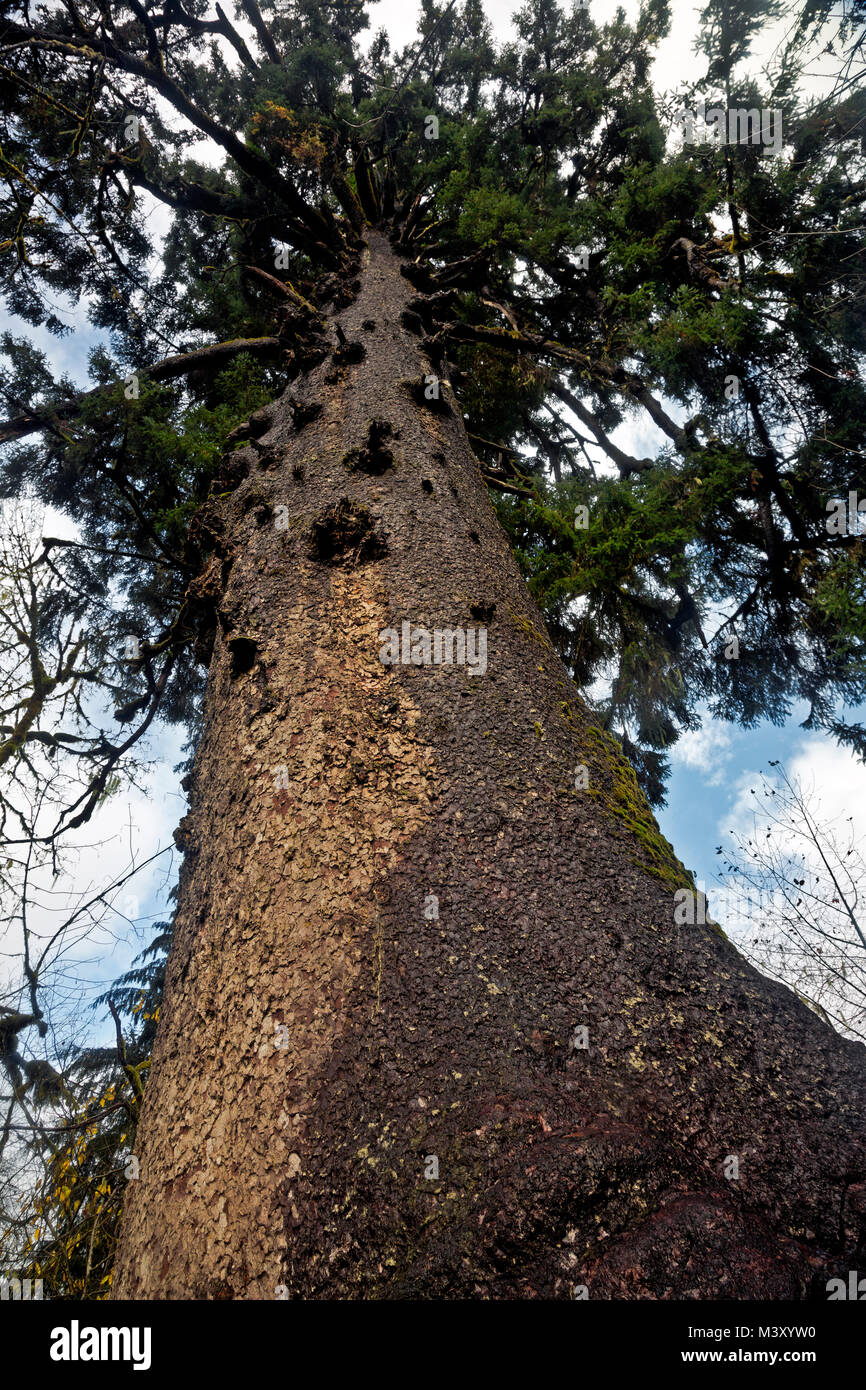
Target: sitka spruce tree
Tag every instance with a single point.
(443, 1014)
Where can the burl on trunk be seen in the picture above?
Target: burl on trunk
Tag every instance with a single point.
(430, 1028)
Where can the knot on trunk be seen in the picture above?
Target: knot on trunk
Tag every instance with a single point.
(244, 651)
(346, 534)
(375, 458)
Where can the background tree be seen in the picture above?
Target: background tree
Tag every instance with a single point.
(68, 1156)
(803, 877)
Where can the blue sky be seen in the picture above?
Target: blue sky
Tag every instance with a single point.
(713, 770)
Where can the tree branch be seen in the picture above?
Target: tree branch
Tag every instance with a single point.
(624, 462)
(31, 422)
(92, 48)
(263, 33)
(222, 25)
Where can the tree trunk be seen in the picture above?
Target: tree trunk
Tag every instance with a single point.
(430, 1028)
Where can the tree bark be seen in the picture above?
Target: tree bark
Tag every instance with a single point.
(406, 932)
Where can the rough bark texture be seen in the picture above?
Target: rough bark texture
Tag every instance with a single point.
(266, 1168)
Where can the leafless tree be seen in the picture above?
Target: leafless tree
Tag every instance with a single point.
(805, 874)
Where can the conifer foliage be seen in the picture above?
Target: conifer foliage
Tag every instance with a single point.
(590, 271)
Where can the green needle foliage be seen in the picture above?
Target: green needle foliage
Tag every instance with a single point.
(708, 295)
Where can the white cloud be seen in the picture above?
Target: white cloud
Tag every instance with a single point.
(707, 749)
(838, 777)
(835, 776)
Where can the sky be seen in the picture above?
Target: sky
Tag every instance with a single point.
(713, 769)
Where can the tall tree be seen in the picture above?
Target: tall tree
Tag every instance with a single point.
(442, 1015)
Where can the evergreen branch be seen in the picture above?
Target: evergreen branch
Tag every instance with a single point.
(263, 33)
(493, 480)
(129, 1071)
(459, 332)
(320, 229)
(517, 342)
(624, 462)
(191, 196)
(174, 11)
(422, 48)
(285, 290)
(40, 418)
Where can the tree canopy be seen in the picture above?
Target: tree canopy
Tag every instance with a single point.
(192, 190)
(593, 272)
